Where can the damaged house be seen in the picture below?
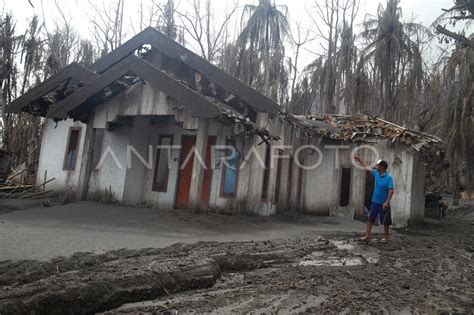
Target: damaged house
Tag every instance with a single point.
(107, 130)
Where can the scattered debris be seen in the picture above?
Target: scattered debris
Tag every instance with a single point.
(231, 116)
(25, 191)
(364, 129)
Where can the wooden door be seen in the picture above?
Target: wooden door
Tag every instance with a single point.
(185, 173)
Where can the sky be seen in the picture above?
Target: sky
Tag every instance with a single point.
(80, 13)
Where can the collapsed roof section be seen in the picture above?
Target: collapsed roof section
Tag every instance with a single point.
(363, 129)
(131, 68)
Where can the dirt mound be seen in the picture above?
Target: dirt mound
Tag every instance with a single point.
(424, 269)
(88, 282)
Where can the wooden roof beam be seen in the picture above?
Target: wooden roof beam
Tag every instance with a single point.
(174, 50)
(199, 105)
(74, 70)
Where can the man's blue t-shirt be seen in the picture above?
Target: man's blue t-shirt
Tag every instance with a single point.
(382, 185)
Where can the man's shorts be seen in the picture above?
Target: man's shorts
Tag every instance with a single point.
(377, 209)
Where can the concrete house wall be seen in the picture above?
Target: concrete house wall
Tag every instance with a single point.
(53, 149)
(309, 191)
(133, 185)
(167, 199)
(321, 187)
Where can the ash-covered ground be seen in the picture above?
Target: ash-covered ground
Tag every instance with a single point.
(426, 268)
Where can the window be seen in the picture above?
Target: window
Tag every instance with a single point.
(345, 187)
(266, 173)
(290, 178)
(97, 147)
(278, 177)
(72, 148)
(162, 161)
(229, 174)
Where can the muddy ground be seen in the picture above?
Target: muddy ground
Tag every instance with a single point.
(427, 268)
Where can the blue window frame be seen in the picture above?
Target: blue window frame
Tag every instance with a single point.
(230, 175)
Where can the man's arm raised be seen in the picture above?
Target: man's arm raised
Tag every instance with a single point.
(361, 163)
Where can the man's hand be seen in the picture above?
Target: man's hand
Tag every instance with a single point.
(390, 195)
(359, 160)
(361, 163)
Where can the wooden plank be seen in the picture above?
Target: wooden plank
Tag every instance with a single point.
(417, 133)
(197, 104)
(11, 187)
(72, 70)
(61, 109)
(172, 49)
(123, 51)
(30, 189)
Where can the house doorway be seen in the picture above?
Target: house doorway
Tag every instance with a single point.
(185, 173)
(345, 196)
(369, 189)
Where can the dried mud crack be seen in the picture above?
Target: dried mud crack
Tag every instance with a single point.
(425, 269)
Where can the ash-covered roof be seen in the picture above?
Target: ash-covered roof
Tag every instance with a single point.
(363, 129)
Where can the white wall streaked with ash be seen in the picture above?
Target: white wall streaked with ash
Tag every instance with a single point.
(314, 193)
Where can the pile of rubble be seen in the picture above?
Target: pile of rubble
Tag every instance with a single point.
(365, 129)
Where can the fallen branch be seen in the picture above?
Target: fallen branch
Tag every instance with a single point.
(32, 188)
(458, 37)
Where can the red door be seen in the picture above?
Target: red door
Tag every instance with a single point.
(185, 173)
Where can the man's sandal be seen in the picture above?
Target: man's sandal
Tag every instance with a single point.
(364, 239)
(383, 240)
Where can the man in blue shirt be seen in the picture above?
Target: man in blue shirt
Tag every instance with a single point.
(383, 192)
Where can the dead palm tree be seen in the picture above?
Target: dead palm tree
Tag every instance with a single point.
(395, 59)
(451, 113)
(169, 27)
(347, 57)
(22, 60)
(259, 50)
(317, 74)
